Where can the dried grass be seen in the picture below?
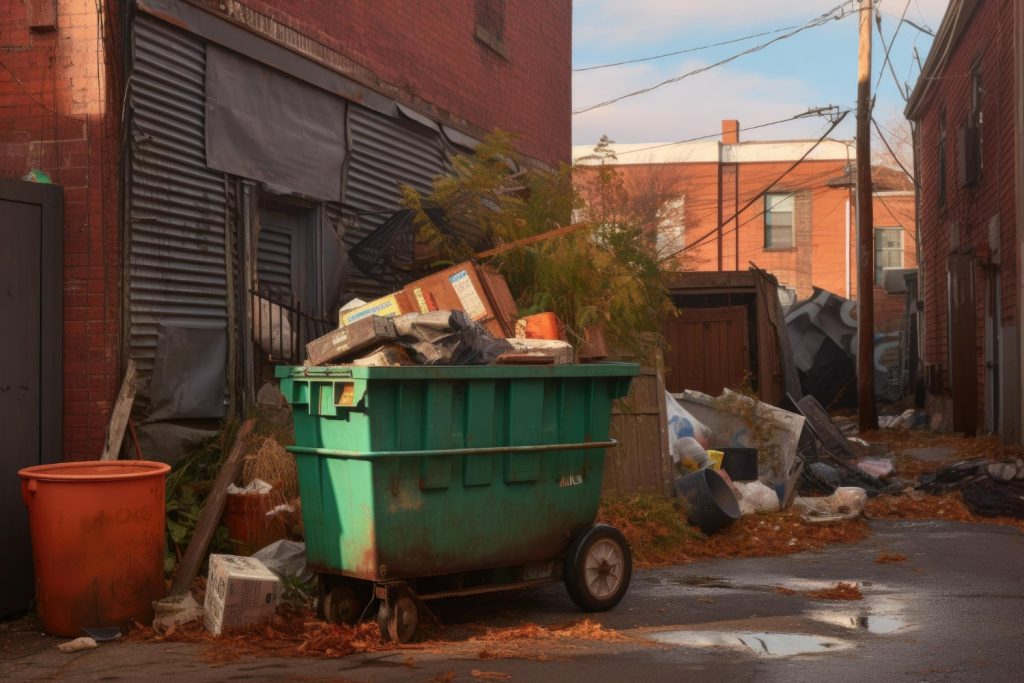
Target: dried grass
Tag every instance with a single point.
(270, 462)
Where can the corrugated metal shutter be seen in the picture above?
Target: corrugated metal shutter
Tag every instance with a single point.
(176, 226)
(384, 152)
(274, 260)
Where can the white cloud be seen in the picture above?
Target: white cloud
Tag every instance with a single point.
(691, 107)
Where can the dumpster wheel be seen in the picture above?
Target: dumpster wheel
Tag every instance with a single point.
(598, 567)
(342, 603)
(398, 617)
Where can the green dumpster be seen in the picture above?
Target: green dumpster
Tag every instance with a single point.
(447, 480)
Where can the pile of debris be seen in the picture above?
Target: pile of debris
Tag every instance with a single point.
(989, 489)
(464, 315)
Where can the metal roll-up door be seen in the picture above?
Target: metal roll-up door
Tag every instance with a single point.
(176, 223)
(384, 153)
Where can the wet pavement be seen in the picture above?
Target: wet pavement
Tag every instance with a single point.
(953, 610)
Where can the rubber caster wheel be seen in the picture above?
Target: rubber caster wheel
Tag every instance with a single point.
(342, 601)
(598, 567)
(398, 618)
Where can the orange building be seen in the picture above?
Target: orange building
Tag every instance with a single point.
(786, 206)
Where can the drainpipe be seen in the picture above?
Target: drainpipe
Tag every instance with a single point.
(846, 244)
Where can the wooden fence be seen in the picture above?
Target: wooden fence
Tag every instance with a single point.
(640, 463)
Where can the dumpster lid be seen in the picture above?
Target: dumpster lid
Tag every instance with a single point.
(449, 372)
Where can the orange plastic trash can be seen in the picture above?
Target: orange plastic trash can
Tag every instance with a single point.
(97, 541)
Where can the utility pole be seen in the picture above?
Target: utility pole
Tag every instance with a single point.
(868, 416)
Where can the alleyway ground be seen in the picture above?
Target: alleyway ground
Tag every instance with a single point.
(941, 600)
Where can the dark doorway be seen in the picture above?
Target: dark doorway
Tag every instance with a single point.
(31, 217)
(963, 344)
(707, 349)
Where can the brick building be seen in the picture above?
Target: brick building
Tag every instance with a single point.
(203, 148)
(968, 113)
(734, 203)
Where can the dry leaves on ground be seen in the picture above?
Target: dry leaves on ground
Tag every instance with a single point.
(917, 505)
(890, 558)
(840, 591)
(292, 633)
(658, 534)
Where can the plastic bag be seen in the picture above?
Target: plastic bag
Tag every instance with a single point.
(447, 338)
(846, 503)
(755, 497)
(681, 423)
(689, 454)
(286, 558)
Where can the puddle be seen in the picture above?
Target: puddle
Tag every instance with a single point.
(705, 582)
(757, 643)
(879, 624)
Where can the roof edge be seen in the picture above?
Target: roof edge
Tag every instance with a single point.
(954, 22)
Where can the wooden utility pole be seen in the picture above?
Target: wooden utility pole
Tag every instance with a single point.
(865, 231)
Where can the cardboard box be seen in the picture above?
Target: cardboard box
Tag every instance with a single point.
(349, 339)
(460, 288)
(240, 592)
(386, 307)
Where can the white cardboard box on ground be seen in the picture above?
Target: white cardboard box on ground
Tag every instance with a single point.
(240, 592)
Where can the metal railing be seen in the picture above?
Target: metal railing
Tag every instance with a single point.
(281, 329)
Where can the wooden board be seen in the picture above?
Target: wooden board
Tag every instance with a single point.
(119, 416)
(213, 508)
(640, 463)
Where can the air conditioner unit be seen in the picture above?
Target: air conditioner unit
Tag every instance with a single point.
(968, 155)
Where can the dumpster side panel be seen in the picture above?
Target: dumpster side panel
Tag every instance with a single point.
(403, 516)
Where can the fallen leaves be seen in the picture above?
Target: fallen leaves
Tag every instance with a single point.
(890, 558)
(658, 535)
(945, 506)
(292, 633)
(840, 591)
(490, 675)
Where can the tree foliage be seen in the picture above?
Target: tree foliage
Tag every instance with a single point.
(606, 274)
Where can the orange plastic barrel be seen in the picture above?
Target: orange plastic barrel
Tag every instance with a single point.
(97, 541)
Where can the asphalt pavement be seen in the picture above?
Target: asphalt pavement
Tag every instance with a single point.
(953, 610)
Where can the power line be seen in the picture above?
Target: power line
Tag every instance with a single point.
(819, 21)
(878, 129)
(686, 50)
(809, 112)
(700, 240)
(888, 49)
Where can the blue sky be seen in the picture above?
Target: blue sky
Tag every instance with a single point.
(816, 67)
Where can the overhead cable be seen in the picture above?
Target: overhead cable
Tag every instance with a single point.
(836, 13)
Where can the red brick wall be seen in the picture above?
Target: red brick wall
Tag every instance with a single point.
(55, 116)
(428, 50)
(817, 259)
(894, 212)
(966, 215)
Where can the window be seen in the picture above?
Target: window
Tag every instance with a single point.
(940, 181)
(490, 25)
(778, 221)
(888, 251)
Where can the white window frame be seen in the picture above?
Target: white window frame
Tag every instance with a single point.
(879, 268)
(776, 203)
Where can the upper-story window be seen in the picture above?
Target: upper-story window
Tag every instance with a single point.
(490, 25)
(778, 220)
(888, 252)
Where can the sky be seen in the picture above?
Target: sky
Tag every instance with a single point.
(814, 68)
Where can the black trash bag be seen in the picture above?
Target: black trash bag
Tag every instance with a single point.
(447, 338)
